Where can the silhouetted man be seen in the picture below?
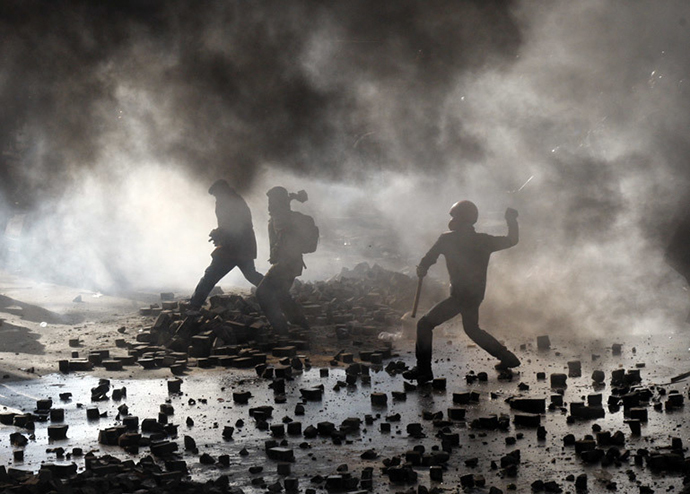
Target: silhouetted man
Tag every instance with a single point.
(234, 240)
(291, 234)
(467, 256)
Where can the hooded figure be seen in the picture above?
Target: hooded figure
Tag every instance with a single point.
(234, 240)
(467, 256)
(286, 242)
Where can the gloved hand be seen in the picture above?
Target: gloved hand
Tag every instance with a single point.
(511, 214)
(421, 271)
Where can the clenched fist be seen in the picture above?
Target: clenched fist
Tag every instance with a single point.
(511, 214)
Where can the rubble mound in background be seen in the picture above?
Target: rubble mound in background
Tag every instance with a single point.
(360, 308)
(356, 304)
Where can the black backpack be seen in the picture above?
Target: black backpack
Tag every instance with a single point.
(306, 231)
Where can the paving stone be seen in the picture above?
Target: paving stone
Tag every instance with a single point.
(163, 448)
(582, 411)
(57, 431)
(414, 429)
(455, 413)
(18, 439)
(241, 397)
(461, 398)
(598, 376)
(286, 351)
(527, 420)
(61, 470)
(439, 383)
(151, 425)
(379, 399)
(281, 454)
(78, 364)
(543, 342)
(57, 414)
(312, 394)
(436, 473)
(128, 439)
(189, 443)
(529, 405)
(558, 380)
(112, 365)
(675, 399)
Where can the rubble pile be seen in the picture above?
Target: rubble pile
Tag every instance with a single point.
(369, 287)
(353, 308)
(279, 427)
(295, 422)
(109, 474)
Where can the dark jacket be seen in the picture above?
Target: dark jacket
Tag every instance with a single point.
(284, 242)
(467, 256)
(235, 230)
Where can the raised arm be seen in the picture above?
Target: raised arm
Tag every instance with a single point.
(513, 229)
(500, 243)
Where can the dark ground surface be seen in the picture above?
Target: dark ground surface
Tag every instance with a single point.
(549, 460)
(36, 333)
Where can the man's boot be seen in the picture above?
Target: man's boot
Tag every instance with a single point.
(508, 360)
(422, 371)
(419, 374)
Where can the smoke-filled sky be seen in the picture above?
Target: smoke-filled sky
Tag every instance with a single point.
(119, 115)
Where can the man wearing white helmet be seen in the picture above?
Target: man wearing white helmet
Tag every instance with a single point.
(467, 256)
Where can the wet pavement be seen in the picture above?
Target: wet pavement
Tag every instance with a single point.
(206, 398)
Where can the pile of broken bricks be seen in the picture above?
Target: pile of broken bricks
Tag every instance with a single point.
(441, 448)
(351, 309)
(434, 449)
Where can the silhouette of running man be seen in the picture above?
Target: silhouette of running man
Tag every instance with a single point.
(234, 240)
(285, 238)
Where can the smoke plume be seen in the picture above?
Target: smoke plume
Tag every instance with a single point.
(118, 116)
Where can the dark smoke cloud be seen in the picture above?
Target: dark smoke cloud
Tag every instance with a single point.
(223, 87)
(387, 112)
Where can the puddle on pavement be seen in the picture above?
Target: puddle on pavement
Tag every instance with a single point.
(213, 408)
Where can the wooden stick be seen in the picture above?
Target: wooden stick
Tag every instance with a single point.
(680, 377)
(417, 294)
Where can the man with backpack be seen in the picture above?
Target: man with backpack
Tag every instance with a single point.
(291, 235)
(467, 256)
(234, 240)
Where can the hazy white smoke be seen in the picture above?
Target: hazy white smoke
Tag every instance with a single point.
(572, 112)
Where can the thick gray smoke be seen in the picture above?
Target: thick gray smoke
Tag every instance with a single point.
(225, 87)
(119, 116)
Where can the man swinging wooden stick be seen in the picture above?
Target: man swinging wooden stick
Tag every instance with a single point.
(467, 256)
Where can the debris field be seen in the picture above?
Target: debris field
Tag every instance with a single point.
(232, 408)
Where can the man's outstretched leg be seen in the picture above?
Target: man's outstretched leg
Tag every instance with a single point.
(440, 313)
(250, 273)
(470, 322)
(269, 294)
(213, 274)
(293, 310)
